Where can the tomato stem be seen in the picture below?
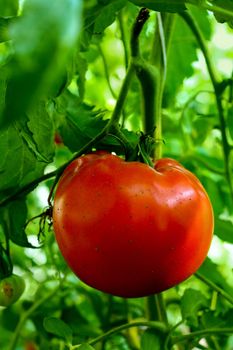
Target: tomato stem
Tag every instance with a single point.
(152, 76)
(111, 127)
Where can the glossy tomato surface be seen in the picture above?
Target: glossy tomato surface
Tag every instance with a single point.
(128, 229)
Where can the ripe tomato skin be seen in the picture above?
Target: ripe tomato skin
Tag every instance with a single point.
(11, 289)
(128, 229)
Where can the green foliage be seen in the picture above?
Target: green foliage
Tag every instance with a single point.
(162, 6)
(191, 302)
(30, 139)
(58, 327)
(9, 8)
(31, 71)
(62, 65)
(150, 341)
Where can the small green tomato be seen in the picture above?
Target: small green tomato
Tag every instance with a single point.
(11, 289)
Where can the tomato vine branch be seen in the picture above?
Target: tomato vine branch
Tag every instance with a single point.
(158, 326)
(106, 71)
(190, 21)
(201, 333)
(212, 285)
(27, 314)
(124, 37)
(111, 127)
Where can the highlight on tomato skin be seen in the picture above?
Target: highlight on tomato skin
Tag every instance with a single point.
(130, 230)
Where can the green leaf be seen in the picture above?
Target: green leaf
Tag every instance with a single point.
(226, 5)
(58, 327)
(26, 148)
(224, 230)
(9, 8)
(85, 347)
(17, 215)
(162, 5)
(80, 123)
(150, 341)
(191, 302)
(42, 50)
(4, 28)
(108, 15)
(183, 41)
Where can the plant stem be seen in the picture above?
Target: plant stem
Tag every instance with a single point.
(212, 285)
(136, 31)
(114, 121)
(158, 326)
(112, 125)
(124, 37)
(202, 333)
(161, 308)
(106, 71)
(27, 314)
(28, 187)
(161, 43)
(216, 84)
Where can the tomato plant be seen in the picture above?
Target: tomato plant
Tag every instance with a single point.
(140, 93)
(11, 289)
(128, 229)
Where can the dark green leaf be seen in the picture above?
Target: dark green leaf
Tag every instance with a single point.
(162, 6)
(150, 341)
(224, 230)
(107, 15)
(58, 327)
(26, 148)
(17, 215)
(211, 320)
(225, 5)
(9, 8)
(4, 28)
(42, 49)
(191, 302)
(79, 123)
(9, 319)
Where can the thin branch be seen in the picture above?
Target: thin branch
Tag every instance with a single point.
(124, 37)
(111, 127)
(212, 285)
(216, 84)
(201, 334)
(158, 326)
(106, 71)
(26, 315)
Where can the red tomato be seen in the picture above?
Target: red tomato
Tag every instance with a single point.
(128, 229)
